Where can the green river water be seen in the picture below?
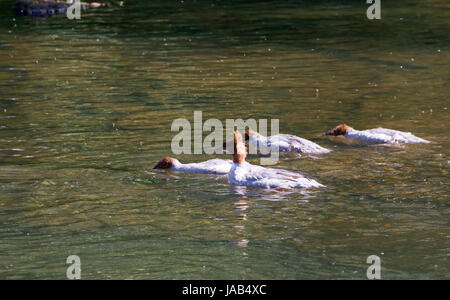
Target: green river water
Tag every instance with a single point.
(86, 108)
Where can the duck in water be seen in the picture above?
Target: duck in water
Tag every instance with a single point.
(376, 135)
(212, 166)
(243, 173)
(285, 143)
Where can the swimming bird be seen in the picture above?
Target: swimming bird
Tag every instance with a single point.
(212, 166)
(285, 143)
(376, 135)
(245, 174)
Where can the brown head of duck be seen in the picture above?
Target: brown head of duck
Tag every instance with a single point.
(240, 152)
(341, 129)
(165, 163)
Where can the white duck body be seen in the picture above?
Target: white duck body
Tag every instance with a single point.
(212, 166)
(384, 136)
(245, 174)
(286, 143)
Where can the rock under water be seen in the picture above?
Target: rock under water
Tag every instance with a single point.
(44, 8)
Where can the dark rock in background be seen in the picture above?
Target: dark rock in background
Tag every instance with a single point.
(43, 8)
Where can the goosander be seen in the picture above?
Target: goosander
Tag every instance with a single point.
(212, 166)
(285, 143)
(376, 135)
(244, 174)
